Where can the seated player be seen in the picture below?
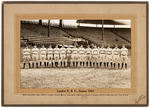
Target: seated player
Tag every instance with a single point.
(50, 53)
(116, 56)
(109, 57)
(124, 56)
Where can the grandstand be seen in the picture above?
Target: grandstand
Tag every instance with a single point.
(33, 33)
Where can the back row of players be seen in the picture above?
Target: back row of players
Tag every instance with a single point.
(102, 55)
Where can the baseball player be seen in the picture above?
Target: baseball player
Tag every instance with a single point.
(50, 53)
(109, 56)
(43, 55)
(116, 56)
(81, 55)
(69, 54)
(63, 53)
(56, 53)
(124, 56)
(95, 54)
(63, 61)
(35, 53)
(26, 56)
(102, 54)
(75, 56)
(88, 53)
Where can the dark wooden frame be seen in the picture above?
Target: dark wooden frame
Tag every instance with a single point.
(74, 2)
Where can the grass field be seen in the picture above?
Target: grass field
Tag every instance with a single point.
(75, 78)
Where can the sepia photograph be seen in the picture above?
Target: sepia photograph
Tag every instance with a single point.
(75, 53)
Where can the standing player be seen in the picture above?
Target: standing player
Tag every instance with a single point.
(109, 57)
(63, 56)
(35, 55)
(43, 55)
(26, 56)
(116, 56)
(69, 53)
(102, 52)
(88, 53)
(81, 56)
(50, 54)
(75, 56)
(124, 56)
(56, 56)
(95, 54)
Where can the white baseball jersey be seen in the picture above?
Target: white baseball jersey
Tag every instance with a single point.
(50, 52)
(124, 54)
(95, 53)
(109, 54)
(124, 51)
(81, 53)
(26, 51)
(56, 53)
(35, 53)
(62, 53)
(116, 54)
(43, 53)
(102, 52)
(75, 54)
(88, 53)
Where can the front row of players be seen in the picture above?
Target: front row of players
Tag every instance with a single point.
(76, 57)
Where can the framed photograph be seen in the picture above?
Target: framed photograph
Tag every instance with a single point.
(75, 53)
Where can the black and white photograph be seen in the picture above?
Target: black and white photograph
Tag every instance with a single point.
(75, 53)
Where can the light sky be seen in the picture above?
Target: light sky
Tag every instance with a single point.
(73, 24)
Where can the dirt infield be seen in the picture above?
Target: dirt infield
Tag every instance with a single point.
(75, 78)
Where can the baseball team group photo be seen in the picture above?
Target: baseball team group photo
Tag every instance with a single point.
(59, 53)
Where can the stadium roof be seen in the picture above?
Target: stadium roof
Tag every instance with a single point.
(109, 22)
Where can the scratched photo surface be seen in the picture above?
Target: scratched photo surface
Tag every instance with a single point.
(57, 53)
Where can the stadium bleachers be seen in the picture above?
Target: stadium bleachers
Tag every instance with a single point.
(38, 34)
(95, 35)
